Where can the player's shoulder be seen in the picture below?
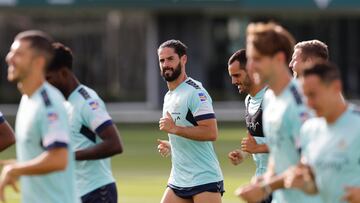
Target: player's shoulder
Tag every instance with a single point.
(50, 96)
(295, 94)
(268, 96)
(87, 98)
(247, 98)
(313, 123)
(86, 93)
(354, 111)
(192, 84)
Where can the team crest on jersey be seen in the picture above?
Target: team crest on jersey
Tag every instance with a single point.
(94, 105)
(52, 117)
(202, 96)
(304, 116)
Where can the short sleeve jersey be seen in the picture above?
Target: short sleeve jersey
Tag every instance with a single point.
(333, 152)
(193, 162)
(41, 125)
(88, 117)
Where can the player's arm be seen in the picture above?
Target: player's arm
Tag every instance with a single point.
(110, 145)
(302, 178)
(261, 188)
(7, 137)
(52, 160)
(206, 130)
(55, 159)
(249, 144)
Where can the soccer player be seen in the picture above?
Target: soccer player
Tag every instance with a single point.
(269, 48)
(45, 162)
(95, 137)
(306, 54)
(255, 142)
(332, 148)
(7, 136)
(189, 120)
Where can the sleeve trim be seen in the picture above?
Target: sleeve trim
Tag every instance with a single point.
(204, 117)
(101, 127)
(2, 119)
(56, 145)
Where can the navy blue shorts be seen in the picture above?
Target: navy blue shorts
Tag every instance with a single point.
(104, 194)
(189, 192)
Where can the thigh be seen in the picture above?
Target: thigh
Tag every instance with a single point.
(208, 197)
(170, 197)
(104, 194)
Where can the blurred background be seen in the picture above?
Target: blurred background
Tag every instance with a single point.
(115, 43)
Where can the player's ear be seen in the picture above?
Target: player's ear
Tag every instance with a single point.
(337, 86)
(183, 59)
(280, 57)
(64, 72)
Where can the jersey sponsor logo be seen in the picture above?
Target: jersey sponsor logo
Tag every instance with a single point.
(202, 96)
(52, 116)
(337, 163)
(252, 125)
(94, 105)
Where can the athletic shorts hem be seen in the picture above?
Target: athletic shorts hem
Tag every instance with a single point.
(189, 192)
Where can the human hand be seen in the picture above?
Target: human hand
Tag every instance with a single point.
(300, 176)
(248, 144)
(167, 124)
(237, 156)
(8, 177)
(164, 148)
(251, 193)
(352, 194)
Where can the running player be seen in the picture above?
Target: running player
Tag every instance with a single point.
(95, 137)
(44, 160)
(189, 120)
(255, 142)
(332, 150)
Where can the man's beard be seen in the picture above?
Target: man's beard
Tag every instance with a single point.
(169, 77)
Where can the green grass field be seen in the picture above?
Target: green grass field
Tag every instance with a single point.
(141, 173)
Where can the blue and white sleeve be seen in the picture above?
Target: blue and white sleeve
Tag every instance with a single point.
(95, 115)
(201, 106)
(54, 128)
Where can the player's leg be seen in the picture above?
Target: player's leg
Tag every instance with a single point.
(171, 197)
(208, 197)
